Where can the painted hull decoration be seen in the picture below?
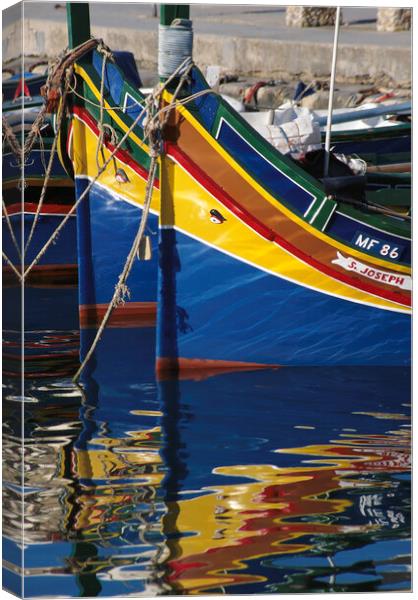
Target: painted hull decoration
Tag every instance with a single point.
(282, 282)
(112, 203)
(351, 264)
(257, 264)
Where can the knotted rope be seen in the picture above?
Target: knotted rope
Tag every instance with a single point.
(152, 99)
(10, 137)
(82, 197)
(53, 87)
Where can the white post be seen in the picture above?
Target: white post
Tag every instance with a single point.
(331, 92)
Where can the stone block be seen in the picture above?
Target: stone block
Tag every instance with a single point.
(309, 16)
(394, 19)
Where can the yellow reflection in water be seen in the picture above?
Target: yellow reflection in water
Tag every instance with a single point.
(233, 524)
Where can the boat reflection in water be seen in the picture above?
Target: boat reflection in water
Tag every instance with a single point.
(40, 423)
(288, 480)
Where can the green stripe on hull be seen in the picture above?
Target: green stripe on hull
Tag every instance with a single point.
(320, 212)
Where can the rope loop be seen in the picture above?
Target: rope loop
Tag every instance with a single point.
(105, 50)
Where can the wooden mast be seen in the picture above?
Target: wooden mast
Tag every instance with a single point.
(78, 23)
(169, 12)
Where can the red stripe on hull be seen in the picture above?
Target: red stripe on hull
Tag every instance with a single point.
(216, 191)
(31, 207)
(122, 155)
(130, 314)
(35, 357)
(246, 217)
(198, 369)
(44, 276)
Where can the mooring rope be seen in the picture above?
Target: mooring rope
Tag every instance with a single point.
(9, 262)
(151, 99)
(10, 228)
(152, 131)
(11, 138)
(48, 171)
(82, 197)
(121, 288)
(155, 120)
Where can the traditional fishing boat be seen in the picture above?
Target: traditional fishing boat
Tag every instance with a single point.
(288, 272)
(380, 134)
(30, 160)
(102, 146)
(259, 263)
(386, 143)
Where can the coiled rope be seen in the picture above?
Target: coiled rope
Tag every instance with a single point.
(175, 45)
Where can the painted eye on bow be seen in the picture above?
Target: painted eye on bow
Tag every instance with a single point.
(216, 217)
(121, 176)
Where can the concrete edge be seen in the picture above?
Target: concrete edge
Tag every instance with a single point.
(240, 55)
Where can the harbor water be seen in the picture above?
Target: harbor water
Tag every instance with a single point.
(290, 480)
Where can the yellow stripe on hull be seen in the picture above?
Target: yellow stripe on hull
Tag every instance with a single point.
(132, 136)
(84, 161)
(276, 203)
(193, 204)
(243, 243)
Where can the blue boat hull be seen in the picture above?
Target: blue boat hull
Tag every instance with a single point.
(215, 307)
(106, 229)
(64, 252)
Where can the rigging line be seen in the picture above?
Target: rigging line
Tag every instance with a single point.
(9, 262)
(83, 195)
(49, 168)
(152, 129)
(9, 225)
(121, 285)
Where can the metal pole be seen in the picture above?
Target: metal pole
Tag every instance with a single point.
(331, 92)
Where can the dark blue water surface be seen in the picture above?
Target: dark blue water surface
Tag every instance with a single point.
(280, 481)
